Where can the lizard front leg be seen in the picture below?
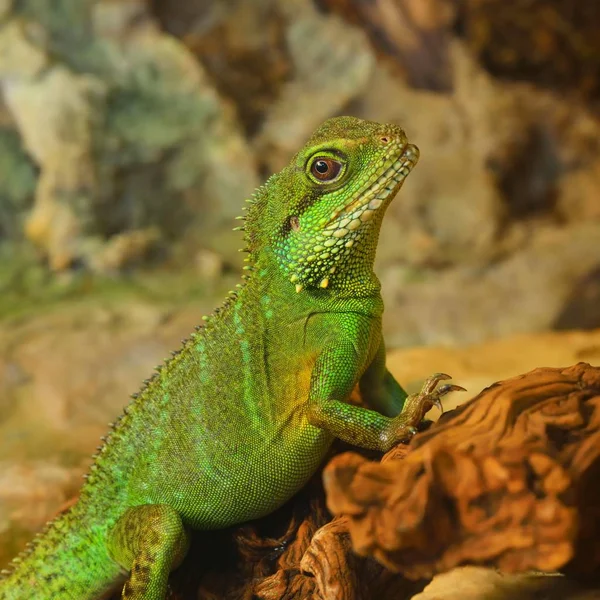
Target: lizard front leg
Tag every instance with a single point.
(332, 380)
(148, 541)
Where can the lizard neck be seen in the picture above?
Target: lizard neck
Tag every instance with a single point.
(339, 273)
(270, 284)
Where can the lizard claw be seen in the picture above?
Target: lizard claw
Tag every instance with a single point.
(431, 382)
(436, 395)
(431, 395)
(418, 405)
(438, 404)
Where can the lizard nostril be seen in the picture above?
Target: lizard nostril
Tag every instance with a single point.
(385, 139)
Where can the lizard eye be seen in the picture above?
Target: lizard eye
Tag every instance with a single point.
(325, 168)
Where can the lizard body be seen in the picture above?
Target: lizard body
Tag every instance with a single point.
(242, 415)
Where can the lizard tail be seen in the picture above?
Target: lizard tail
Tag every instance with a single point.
(67, 561)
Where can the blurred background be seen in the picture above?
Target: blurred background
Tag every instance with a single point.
(131, 131)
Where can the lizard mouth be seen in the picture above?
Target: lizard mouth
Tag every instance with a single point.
(376, 194)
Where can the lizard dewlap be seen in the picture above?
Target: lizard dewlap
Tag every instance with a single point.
(242, 415)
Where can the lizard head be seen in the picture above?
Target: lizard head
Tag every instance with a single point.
(322, 213)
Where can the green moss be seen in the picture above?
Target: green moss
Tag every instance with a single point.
(66, 24)
(18, 177)
(27, 287)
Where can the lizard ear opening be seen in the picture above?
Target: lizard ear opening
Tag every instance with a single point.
(290, 224)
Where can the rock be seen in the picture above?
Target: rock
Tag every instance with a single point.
(41, 106)
(149, 142)
(548, 43)
(480, 365)
(413, 35)
(209, 265)
(242, 46)
(527, 291)
(17, 184)
(475, 583)
(125, 250)
(30, 493)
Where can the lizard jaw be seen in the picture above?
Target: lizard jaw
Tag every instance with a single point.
(384, 187)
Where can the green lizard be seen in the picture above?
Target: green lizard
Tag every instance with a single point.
(243, 414)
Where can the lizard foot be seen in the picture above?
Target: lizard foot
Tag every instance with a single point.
(433, 394)
(416, 406)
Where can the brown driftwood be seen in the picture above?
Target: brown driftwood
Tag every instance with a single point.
(510, 480)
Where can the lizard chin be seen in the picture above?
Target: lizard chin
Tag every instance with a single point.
(336, 240)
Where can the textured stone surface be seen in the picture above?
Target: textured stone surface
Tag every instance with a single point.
(473, 583)
(529, 290)
(125, 128)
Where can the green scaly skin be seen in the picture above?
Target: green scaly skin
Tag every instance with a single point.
(241, 417)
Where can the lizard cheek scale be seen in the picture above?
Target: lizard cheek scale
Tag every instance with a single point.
(323, 244)
(241, 416)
